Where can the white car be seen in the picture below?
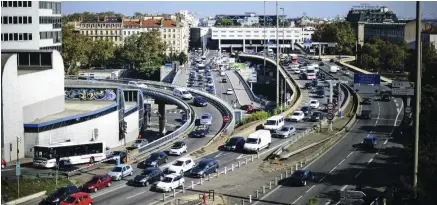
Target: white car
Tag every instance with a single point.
(314, 104)
(181, 165)
(206, 119)
(297, 116)
(170, 182)
(178, 148)
(296, 70)
(222, 73)
(230, 91)
(120, 171)
(139, 143)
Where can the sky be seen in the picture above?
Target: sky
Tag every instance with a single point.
(405, 9)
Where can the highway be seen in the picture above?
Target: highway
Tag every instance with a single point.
(345, 164)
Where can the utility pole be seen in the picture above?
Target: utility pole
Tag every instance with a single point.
(17, 166)
(418, 94)
(283, 29)
(277, 54)
(264, 44)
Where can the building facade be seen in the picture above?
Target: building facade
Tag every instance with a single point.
(430, 37)
(34, 25)
(109, 28)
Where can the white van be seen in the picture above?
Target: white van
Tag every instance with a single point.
(258, 140)
(182, 93)
(274, 123)
(333, 68)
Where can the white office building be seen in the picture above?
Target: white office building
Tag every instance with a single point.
(33, 25)
(242, 38)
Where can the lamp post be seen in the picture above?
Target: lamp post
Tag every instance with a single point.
(264, 42)
(283, 29)
(277, 55)
(418, 94)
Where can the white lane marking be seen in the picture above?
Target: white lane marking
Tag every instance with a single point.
(333, 169)
(103, 193)
(399, 112)
(341, 161)
(337, 203)
(8, 169)
(241, 156)
(322, 178)
(135, 195)
(343, 188)
(219, 154)
(397, 105)
(349, 154)
(296, 200)
(370, 160)
(310, 188)
(358, 174)
(385, 142)
(395, 101)
(327, 203)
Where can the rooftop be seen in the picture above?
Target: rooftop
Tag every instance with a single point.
(150, 23)
(103, 19)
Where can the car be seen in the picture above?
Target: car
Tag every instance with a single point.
(154, 160)
(200, 131)
(306, 110)
(286, 132)
(314, 104)
(120, 154)
(229, 91)
(200, 101)
(316, 116)
(3, 163)
(210, 84)
(170, 182)
(60, 194)
(205, 167)
(369, 142)
(210, 89)
(224, 80)
(206, 119)
(139, 143)
(97, 182)
(321, 64)
(178, 148)
(79, 198)
(301, 177)
(320, 93)
(366, 101)
(138, 84)
(297, 116)
(121, 171)
(366, 114)
(222, 73)
(148, 176)
(234, 143)
(247, 107)
(181, 166)
(190, 84)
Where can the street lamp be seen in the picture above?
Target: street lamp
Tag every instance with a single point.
(264, 42)
(283, 31)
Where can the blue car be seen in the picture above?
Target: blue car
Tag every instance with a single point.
(199, 101)
(369, 142)
(210, 89)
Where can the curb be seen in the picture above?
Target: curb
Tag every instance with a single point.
(26, 198)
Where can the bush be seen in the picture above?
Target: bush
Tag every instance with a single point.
(261, 115)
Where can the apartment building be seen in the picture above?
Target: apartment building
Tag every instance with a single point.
(32, 25)
(103, 27)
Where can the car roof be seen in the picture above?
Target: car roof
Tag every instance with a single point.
(151, 168)
(184, 159)
(122, 165)
(301, 171)
(78, 194)
(369, 137)
(173, 175)
(206, 160)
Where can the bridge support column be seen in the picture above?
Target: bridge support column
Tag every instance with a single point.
(220, 45)
(244, 45)
(161, 110)
(292, 44)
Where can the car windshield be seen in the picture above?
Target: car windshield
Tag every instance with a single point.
(304, 108)
(296, 113)
(167, 179)
(285, 129)
(310, 71)
(205, 117)
(138, 141)
(298, 174)
(232, 141)
(202, 165)
(252, 141)
(70, 199)
(185, 92)
(177, 146)
(316, 114)
(93, 180)
(154, 156)
(270, 122)
(178, 163)
(313, 102)
(147, 172)
(117, 169)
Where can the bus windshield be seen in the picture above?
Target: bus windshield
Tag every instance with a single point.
(43, 153)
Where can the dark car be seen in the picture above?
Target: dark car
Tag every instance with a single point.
(316, 116)
(366, 101)
(148, 176)
(120, 154)
(321, 64)
(235, 143)
(314, 83)
(199, 101)
(308, 85)
(301, 177)
(200, 131)
(320, 93)
(206, 166)
(369, 142)
(306, 110)
(224, 80)
(366, 114)
(60, 194)
(247, 107)
(190, 84)
(154, 160)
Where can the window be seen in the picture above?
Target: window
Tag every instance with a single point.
(20, 37)
(25, 36)
(24, 3)
(5, 20)
(20, 4)
(15, 36)
(20, 19)
(29, 3)
(30, 36)
(6, 37)
(15, 19)
(11, 36)
(9, 3)
(30, 19)
(15, 3)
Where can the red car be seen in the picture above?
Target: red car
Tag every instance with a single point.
(96, 183)
(79, 198)
(247, 107)
(225, 119)
(3, 163)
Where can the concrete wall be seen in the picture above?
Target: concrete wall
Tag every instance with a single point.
(42, 92)
(12, 111)
(132, 130)
(107, 126)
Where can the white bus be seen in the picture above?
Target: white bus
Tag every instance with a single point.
(69, 153)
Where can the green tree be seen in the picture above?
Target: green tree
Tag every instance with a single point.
(182, 58)
(339, 32)
(102, 50)
(224, 22)
(312, 201)
(76, 49)
(138, 14)
(144, 51)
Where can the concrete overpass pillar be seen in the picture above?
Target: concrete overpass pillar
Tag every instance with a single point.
(161, 110)
(244, 45)
(292, 44)
(220, 45)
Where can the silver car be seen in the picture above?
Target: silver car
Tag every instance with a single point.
(286, 131)
(139, 143)
(206, 119)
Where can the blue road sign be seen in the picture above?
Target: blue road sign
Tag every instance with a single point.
(367, 79)
(17, 168)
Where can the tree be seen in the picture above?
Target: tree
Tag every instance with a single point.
(340, 32)
(76, 49)
(224, 22)
(312, 201)
(182, 57)
(138, 14)
(102, 50)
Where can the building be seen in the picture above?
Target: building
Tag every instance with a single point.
(250, 19)
(370, 14)
(207, 22)
(199, 37)
(103, 27)
(430, 36)
(173, 32)
(34, 25)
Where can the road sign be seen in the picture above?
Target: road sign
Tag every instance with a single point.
(352, 194)
(331, 44)
(17, 168)
(402, 91)
(330, 106)
(330, 116)
(408, 109)
(351, 201)
(402, 84)
(367, 79)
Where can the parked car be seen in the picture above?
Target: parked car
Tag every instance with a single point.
(297, 116)
(300, 177)
(235, 143)
(96, 183)
(170, 182)
(200, 131)
(139, 143)
(79, 198)
(286, 132)
(178, 148)
(199, 101)
(316, 116)
(206, 166)
(154, 160)
(247, 107)
(121, 171)
(60, 194)
(206, 119)
(181, 165)
(148, 176)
